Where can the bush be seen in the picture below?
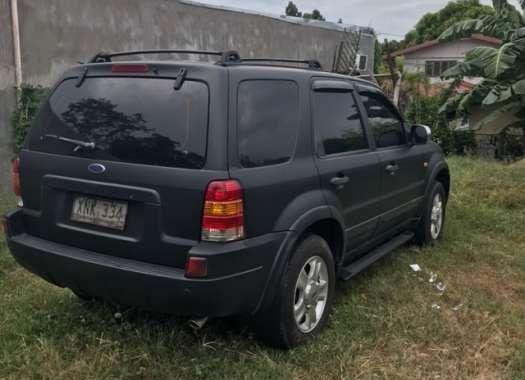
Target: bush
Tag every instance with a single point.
(29, 101)
(464, 142)
(425, 110)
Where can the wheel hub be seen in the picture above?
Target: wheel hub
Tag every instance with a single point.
(311, 292)
(436, 216)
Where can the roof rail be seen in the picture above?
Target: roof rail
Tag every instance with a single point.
(230, 56)
(226, 57)
(312, 63)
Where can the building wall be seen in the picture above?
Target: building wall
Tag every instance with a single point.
(55, 34)
(66, 31)
(450, 51)
(7, 93)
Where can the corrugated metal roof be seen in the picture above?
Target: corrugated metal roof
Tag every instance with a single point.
(293, 20)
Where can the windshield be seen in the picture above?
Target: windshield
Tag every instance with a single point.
(138, 120)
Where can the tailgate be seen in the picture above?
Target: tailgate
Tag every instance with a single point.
(164, 206)
(118, 164)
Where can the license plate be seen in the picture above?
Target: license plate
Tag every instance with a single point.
(99, 212)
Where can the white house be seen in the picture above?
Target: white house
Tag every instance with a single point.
(434, 57)
(495, 138)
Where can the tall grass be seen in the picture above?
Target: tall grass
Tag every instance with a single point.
(389, 323)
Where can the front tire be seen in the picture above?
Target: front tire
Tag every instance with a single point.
(304, 298)
(430, 227)
(83, 296)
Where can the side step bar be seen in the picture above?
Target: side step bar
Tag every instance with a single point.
(346, 273)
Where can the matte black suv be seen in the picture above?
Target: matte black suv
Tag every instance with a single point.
(208, 190)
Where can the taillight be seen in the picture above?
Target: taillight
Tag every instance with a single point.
(223, 216)
(129, 68)
(15, 177)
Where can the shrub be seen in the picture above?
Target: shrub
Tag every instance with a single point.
(29, 100)
(425, 110)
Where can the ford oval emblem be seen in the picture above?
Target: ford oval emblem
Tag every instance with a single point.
(96, 168)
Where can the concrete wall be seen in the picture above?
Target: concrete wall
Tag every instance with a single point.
(7, 93)
(57, 33)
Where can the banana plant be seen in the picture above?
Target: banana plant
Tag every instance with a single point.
(505, 19)
(502, 68)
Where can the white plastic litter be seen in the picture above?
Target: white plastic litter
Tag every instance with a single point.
(435, 306)
(433, 277)
(415, 267)
(441, 287)
(457, 307)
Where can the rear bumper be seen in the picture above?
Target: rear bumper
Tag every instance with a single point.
(150, 286)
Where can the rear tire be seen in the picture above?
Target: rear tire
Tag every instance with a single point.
(304, 297)
(83, 297)
(431, 225)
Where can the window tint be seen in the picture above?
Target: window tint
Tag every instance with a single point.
(385, 124)
(137, 120)
(268, 121)
(337, 122)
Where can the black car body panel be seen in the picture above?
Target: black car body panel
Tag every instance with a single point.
(267, 127)
(236, 284)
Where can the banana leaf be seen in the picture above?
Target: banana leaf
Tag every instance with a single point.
(505, 108)
(498, 94)
(496, 61)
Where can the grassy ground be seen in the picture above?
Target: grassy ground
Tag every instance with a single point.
(386, 325)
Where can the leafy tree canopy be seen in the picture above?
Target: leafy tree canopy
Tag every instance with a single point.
(292, 10)
(432, 25)
(502, 68)
(315, 15)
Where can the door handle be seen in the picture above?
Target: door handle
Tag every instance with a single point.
(339, 181)
(392, 168)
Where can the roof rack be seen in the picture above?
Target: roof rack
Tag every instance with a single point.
(225, 56)
(311, 63)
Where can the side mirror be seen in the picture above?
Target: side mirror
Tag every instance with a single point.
(420, 134)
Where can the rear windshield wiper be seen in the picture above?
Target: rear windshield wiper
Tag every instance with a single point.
(179, 79)
(79, 143)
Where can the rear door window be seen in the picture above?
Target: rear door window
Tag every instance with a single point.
(268, 118)
(385, 123)
(136, 120)
(337, 122)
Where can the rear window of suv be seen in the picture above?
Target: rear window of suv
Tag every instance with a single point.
(136, 120)
(268, 121)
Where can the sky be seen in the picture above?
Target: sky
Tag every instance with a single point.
(390, 18)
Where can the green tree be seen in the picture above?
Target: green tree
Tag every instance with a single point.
(502, 23)
(315, 15)
(30, 99)
(292, 10)
(432, 25)
(378, 56)
(502, 68)
(392, 45)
